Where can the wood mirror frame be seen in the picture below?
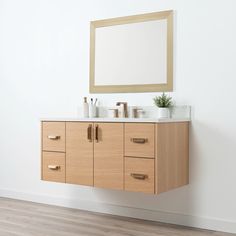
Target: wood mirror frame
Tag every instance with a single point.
(134, 88)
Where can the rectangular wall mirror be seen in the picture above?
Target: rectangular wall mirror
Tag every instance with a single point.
(132, 54)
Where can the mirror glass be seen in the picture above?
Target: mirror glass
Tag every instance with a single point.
(132, 54)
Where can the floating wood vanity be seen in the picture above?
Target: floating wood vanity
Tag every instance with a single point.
(140, 155)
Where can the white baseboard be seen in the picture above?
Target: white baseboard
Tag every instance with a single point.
(139, 213)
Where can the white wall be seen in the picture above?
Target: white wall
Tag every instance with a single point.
(44, 65)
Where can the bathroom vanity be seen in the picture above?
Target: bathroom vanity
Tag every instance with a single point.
(143, 155)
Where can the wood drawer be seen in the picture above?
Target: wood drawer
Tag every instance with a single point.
(139, 140)
(139, 175)
(53, 166)
(53, 136)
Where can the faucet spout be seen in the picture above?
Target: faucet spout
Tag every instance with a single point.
(125, 108)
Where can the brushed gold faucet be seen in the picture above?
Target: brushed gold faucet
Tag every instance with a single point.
(125, 107)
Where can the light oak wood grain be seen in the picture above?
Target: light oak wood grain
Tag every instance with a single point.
(53, 129)
(140, 130)
(20, 218)
(53, 159)
(108, 156)
(98, 159)
(172, 155)
(79, 154)
(139, 166)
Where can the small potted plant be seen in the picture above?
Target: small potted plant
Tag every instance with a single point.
(163, 103)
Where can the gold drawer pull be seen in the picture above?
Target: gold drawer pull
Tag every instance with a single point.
(139, 140)
(53, 137)
(53, 167)
(139, 176)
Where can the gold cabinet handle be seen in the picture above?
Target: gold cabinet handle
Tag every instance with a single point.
(139, 140)
(89, 133)
(53, 167)
(96, 133)
(53, 137)
(139, 176)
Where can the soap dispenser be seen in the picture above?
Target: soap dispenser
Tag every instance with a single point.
(85, 108)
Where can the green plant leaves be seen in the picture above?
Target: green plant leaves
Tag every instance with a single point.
(163, 101)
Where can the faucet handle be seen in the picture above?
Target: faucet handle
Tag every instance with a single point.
(115, 112)
(135, 112)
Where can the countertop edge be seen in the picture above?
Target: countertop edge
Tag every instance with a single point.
(116, 120)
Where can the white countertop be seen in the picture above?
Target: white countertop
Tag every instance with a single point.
(129, 120)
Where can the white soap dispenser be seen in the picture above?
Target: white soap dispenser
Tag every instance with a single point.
(85, 108)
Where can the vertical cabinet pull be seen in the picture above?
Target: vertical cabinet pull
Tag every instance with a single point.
(89, 133)
(96, 133)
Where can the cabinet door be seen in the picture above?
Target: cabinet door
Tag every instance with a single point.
(108, 155)
(79, 153)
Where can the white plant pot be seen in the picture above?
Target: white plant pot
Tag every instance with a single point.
(163, 113)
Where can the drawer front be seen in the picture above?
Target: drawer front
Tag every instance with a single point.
(53, 136)
(139, 140)
(53, 166)
(139, 175)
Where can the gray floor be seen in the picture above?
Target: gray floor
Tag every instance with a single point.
(18, 218)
